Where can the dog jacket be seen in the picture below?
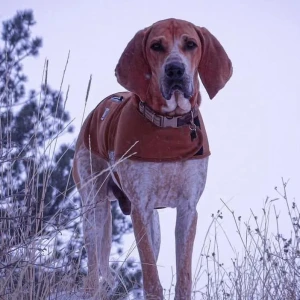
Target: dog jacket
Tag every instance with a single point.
(117, 125)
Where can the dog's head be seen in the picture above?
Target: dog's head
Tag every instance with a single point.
(162, 62)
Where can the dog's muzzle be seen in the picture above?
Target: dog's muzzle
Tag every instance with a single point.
(175, 79)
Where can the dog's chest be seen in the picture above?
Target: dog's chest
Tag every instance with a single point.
(169, 184)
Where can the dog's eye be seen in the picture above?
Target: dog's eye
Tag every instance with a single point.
(190, 45)
(157, 47)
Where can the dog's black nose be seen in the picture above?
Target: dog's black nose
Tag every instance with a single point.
(175, 70)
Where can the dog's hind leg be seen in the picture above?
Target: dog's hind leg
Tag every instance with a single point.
(96, 218)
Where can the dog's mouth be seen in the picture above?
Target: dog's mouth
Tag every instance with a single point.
(177, 87)
(169, 88)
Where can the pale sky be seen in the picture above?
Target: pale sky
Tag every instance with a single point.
(253, 123)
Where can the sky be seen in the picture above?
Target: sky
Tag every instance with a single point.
(252, 124)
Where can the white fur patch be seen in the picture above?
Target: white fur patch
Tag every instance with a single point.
(170, 105)
(177, 101)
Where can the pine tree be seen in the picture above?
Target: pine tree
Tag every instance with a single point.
(37, 198)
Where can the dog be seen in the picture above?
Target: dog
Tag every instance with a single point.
(148, 148)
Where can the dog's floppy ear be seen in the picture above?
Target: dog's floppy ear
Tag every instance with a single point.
(215, 67)
(132, 70)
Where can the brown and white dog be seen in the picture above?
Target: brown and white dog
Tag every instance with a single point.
(160, 68)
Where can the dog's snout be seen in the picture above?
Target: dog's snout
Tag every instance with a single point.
(175, 70)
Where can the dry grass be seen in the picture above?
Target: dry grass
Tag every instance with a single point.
(42, 257)
(268, 265)
(33, 263)
(267, 268)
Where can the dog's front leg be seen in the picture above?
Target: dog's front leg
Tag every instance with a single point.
(185, 231)
(147, 235)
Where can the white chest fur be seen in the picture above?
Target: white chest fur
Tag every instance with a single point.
(163, 184)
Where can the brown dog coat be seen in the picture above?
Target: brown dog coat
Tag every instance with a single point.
(122, 128)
